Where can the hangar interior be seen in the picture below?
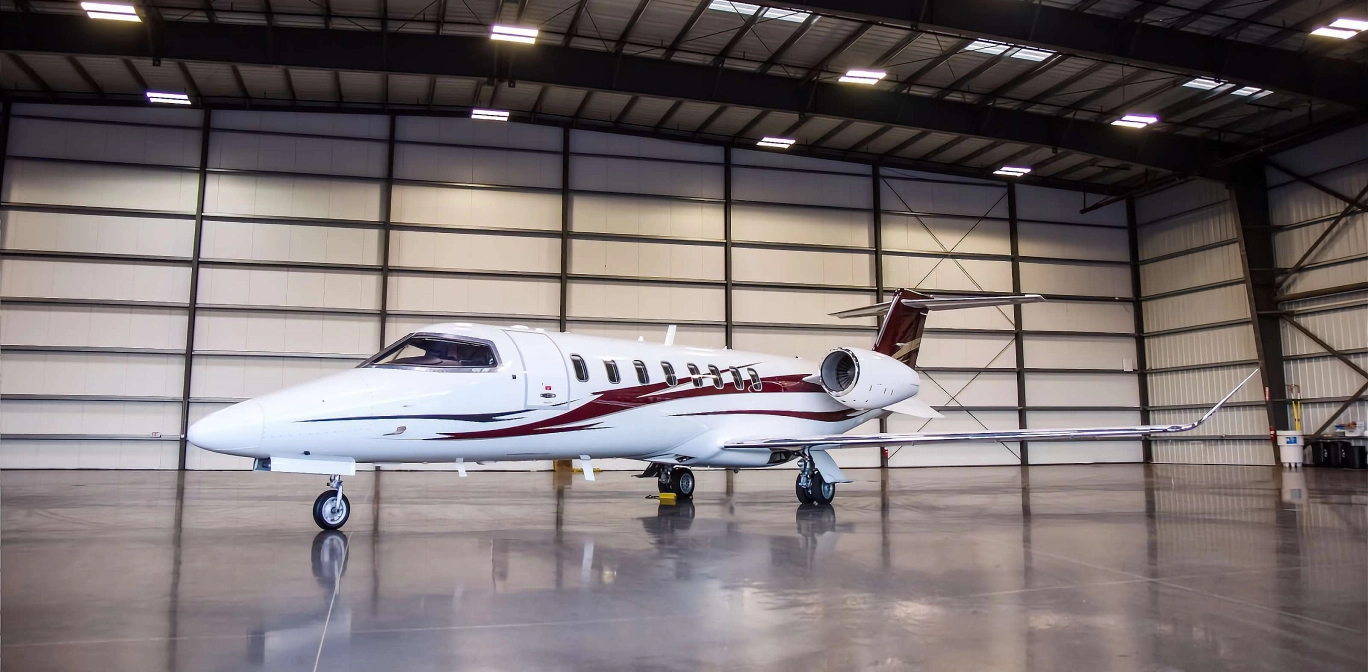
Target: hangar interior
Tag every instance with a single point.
(313, 180)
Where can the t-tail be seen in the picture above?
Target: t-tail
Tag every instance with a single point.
(904, 318)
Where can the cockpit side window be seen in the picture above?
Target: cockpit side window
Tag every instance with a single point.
(437, 351)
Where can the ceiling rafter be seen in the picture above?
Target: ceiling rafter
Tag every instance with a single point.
(750, 125)
(85, 75)
(746, 26)
(570, 32)
(944, 147)
(932, 64)
(863, 142)
(911, 140)
(137, 76)
(30, 73)
(963, 80)
(191, 87)
(631, 24)
(703, 127)
(788, 43)
(669, 114)
(1025, 76)
(684, 30)
(835, 130)
(845, 44)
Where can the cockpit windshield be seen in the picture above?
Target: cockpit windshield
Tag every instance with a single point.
(437, 352)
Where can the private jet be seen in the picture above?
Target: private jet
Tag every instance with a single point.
(459, 392)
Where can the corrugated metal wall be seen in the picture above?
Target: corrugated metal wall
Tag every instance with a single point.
(1199, 341)
(325, 236)
(1302, 214)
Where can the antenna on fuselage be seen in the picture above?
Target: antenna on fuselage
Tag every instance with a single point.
(670, 334)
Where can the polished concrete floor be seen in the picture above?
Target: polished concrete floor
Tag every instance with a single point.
(1051, 568)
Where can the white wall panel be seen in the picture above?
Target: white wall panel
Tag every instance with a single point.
(663, 178)
(1349, 239)
(775, 186)
(1329, 276)
(95, 374)
(644, 260)
(947, 273)
(1219, 264)
(798, 306)
(320, 156)
(1066, 419)
(1056, 205)
(751, 157)
(1083, 280)
(993, 317)
(591, 142)
(810, 344)
(1114, 317)
(474, 251)
(233, 377)
(958, 453)
(1343, 329)
(1207, 225)
(644, 216)
(980, 351)
(30, 454)
(966, 388)
(1081, 389)
(90, 417)
(1209, 306)
(1062, 241)
(459, 131)
(1212, 452)
(1203, 386)
(398, 327)
(97, 234)
(776, 224)
(1086, 452)
(100, 186)
(929, 233)
(475, 208)
(1179, 199)
(1224, 344)
(629, 301)
(94, 141)
(296, 287)
(692, 335)
(314, 123)
(95, 280)
(291, 196)
(1322, 378)
(1230, 421)
(166, 116)
(279, 332)
(474, 296)
(258, 241)
(808, 267)
(465, 165)
(944, 199)
(1080, 352)
(92, 326)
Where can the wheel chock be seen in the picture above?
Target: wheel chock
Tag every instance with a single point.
(668, 498)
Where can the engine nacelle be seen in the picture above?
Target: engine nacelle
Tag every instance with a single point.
(866, 380)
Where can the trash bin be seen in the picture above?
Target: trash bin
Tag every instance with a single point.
(1290, 448)
(1358, 456)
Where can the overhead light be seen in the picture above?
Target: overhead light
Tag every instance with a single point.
(988, 47)
(996, 48)
(514, 34)
(1203, 83)
(491, 115)
(1335, 33)
(1356, 25)
(168, 98)
(1026, 54)
(1136, 120)
(749, 10)
(781, 143)
(1246, 91)
(863, 76)
(1012, 171)
(111, 12)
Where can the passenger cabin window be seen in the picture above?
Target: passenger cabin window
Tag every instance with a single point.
(437, 351)
(611, 366)
(581, 369)
(670, 378)
(716, 377)
(736, 378)
(694, 376)
(643, 376)
(756, 385)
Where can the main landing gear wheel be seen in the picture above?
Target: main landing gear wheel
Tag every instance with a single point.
(811, 488)
(332, 508)
(679, 480)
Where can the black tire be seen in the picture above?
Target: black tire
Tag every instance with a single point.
(324, 500)
(821, 492)
(804, 497)
(682, 482)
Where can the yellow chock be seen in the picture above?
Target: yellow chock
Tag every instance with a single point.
(667, 498)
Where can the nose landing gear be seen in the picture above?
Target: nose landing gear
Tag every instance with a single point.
(332, 508)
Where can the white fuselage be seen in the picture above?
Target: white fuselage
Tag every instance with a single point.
(533, 405)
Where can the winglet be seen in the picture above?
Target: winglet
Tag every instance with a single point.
(1227, 398)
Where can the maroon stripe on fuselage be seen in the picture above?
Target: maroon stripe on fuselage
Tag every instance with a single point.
(611, 401)
(820, 416)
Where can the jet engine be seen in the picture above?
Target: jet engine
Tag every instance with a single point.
(866, 380)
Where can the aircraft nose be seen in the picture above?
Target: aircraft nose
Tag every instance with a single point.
(231, 430)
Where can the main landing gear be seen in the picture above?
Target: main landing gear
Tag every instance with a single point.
(810, 487)
(332, 508)
(679, 480)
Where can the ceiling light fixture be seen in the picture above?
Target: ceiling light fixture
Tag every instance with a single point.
(1203, 83)
(110, 12)
(1350, 24)
(513, 34)
(996, 48)
(1342, 29)
(780, 143)
(749, 10)
(490, 115)
(1012, 171)
(167, 98)
(1136, 120)
(863, 76)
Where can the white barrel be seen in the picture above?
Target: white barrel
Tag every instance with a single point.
(1290, 448)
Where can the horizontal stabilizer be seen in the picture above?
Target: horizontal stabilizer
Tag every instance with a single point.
(914, 407)
(942, 303)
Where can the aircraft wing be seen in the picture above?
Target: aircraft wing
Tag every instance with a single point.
(854, 440)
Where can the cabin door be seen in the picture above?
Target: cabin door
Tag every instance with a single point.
(548, 384)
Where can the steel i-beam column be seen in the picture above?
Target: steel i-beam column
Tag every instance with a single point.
(1016, 319)
(1141, 363)
(190, 312)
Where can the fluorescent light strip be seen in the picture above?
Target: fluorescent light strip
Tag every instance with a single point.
(1145, 119)
(863, 76)
(114, 17)
(168, 98)
(106, 7)
(1203, 83)
(1128, 124)
(1335, 33)
(987, 47)
(1350, 24)
(1246, 91)
(781, 143)
(491, 115)
(1026, 54)
(514, 34)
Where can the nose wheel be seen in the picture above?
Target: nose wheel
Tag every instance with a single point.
(332, 508)
(679, 480)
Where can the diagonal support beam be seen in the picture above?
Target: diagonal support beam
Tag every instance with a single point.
(684, 30)
(789, 41)
(31, 74)
(1311, 250)
(631, 25)
(845, 45)
(746, 26)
